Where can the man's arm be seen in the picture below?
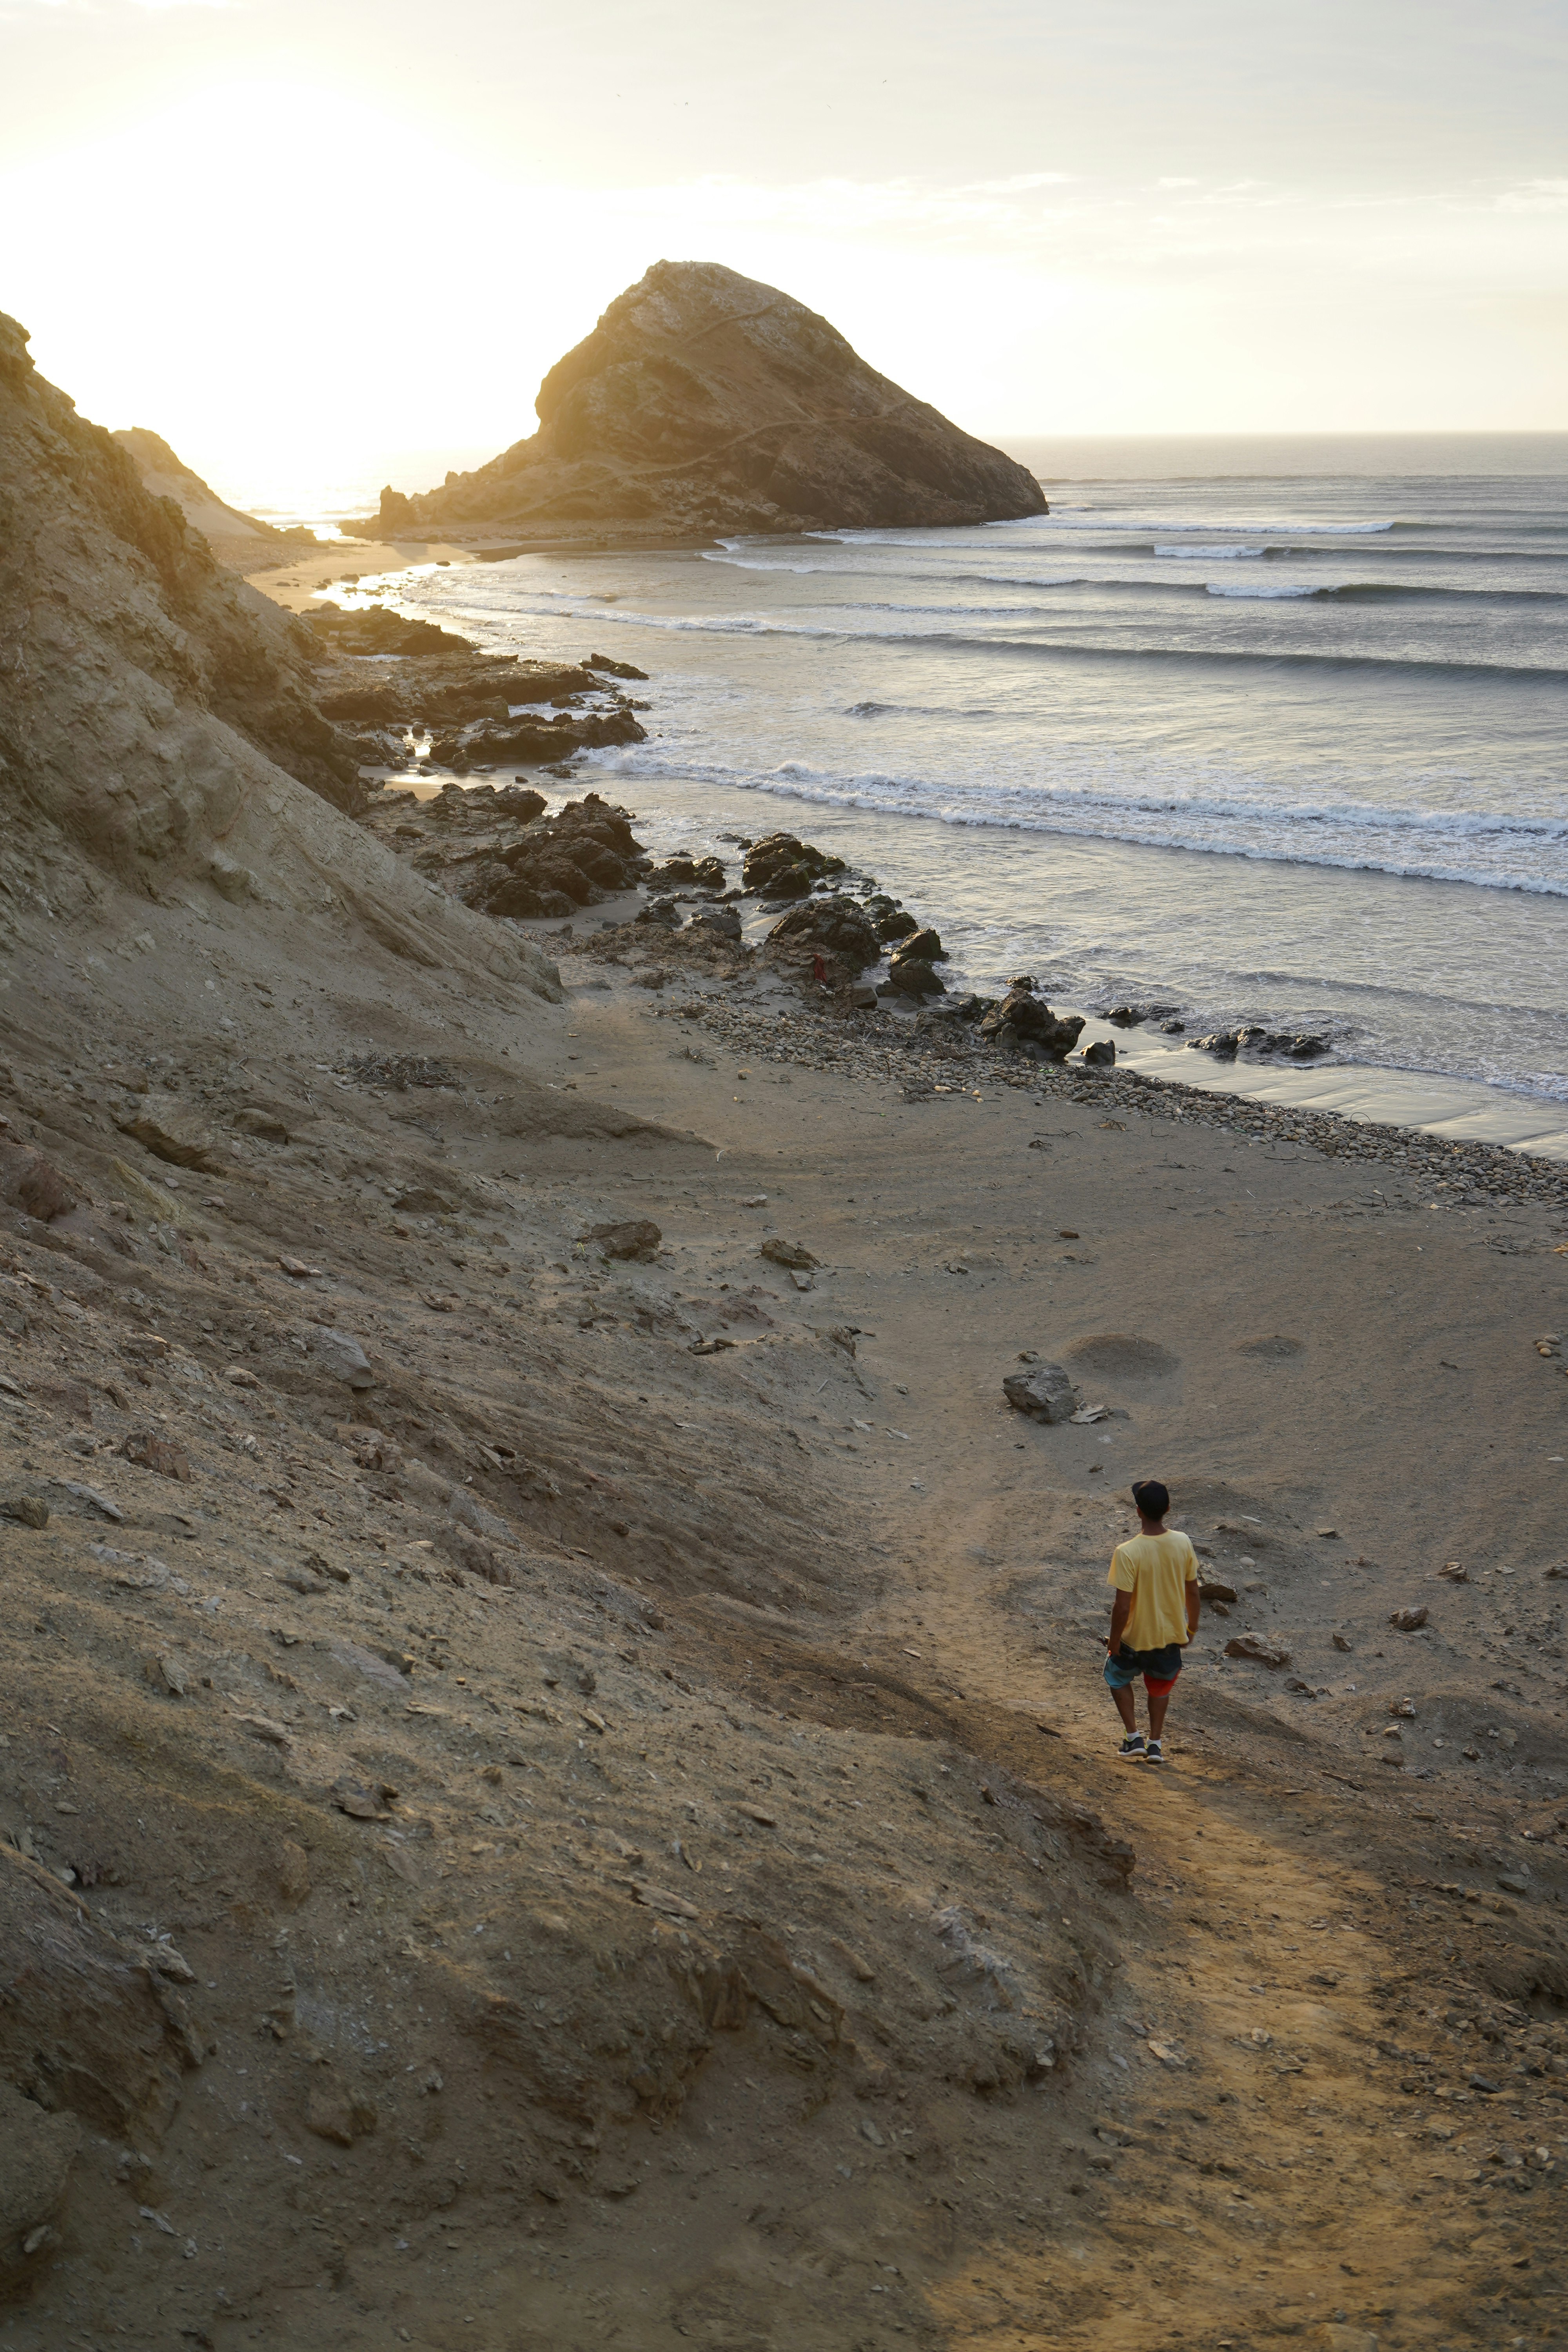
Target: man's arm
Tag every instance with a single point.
(1195, 1605)
(1121, 1611)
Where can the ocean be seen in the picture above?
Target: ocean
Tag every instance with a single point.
(1270, 731)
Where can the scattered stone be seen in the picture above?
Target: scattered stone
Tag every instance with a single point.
(172, 1131)
(334, 2114)
(1331, 1534)
(925, 946)
(634, 1237)
(150, 1451)
(383, 1667)
(1101, 1054)
(1213, 1588)
(420, 1201)
(343, 1356)
(241, 1377)
(91, 1495)
(1453, 1572)
(913, 977)
(362, 1804)
(1045, 1392)
(1252, 1646)
(298, 1270)
(175, 1673)
(780, 867)
(1409, 1621)
(34, 1184)
(1341, 1640)
(834, 922)
(262, 1727)
(659, 1898)
(1025, 1021)
(788, 1254)
(28, 1510)
(265, 1125)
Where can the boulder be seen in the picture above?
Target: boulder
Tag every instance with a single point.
(636, 1238)
(716, 923)
(34, 1184)
(1101, 1054)
(912, 977)
(341, 1355)
(171, 1131)
(37, 2152)
(926, 945)
(793, 1255)
(768, 861)
(1045, 1391)
(1030, 1022)
(897, 926)
(834, 921)
(1261, 1652)
(681, 872)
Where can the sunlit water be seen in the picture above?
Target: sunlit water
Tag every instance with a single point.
(1283, 746)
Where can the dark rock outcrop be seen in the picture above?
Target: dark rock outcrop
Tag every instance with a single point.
(780, 867)
(835, 923)
(1026, 1020)
(703, 401)
(499, 854)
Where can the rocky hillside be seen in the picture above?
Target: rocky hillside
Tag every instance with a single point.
(703, 401)
(160, 734)
(235, 538)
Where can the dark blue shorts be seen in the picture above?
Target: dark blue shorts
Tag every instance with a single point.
(1159, 1668)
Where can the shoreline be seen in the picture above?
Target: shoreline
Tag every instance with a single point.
(1461, 1109)
(1503, 1172)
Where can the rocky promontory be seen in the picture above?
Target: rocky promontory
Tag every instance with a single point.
(704, 401)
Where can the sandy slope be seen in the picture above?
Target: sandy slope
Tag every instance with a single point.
(747, 1955)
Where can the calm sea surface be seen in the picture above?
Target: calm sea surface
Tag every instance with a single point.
(1272, 731)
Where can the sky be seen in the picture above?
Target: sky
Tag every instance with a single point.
(317, 244)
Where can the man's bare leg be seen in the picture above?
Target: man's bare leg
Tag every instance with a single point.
(1158, 1702)
(1127, 1710)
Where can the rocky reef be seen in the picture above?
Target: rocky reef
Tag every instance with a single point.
(704, 401)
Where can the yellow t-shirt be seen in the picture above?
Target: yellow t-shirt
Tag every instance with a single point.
(1156, 1571)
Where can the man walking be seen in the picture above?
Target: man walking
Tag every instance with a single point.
(1152, 1619)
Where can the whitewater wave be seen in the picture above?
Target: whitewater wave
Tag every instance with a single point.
(1056, 525)
(1476, 847)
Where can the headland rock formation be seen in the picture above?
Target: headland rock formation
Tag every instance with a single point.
(704, 401)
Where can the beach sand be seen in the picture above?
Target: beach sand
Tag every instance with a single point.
(735, 1927)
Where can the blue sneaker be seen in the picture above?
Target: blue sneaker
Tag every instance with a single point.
(1133, 1748)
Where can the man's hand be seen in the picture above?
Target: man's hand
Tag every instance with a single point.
(1120, 1611)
